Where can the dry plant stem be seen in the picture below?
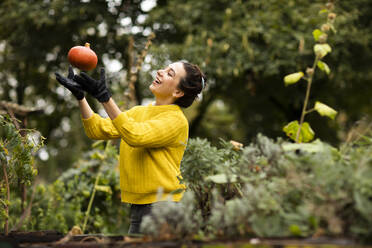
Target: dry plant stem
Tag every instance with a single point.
(350, 143)
(26, 213)
(6, 206)
(304, 112)
(134, 75)
(14, 119)
(238, 190)
(129, 72)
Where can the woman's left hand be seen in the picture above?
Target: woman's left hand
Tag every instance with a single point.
(96, 88)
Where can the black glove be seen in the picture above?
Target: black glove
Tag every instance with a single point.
(96, 88)
(70, 84)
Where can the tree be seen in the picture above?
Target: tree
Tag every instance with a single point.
(247, 47)
(34, 41)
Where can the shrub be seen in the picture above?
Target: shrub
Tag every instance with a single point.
(169, 220)
(285, 189)
(63, 204)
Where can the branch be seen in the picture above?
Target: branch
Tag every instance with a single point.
(26, 212)
(6, 225)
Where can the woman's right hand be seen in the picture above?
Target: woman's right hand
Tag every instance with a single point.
(70, 84)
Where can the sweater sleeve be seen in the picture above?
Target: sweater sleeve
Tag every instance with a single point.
(99, 128)
(164, 130)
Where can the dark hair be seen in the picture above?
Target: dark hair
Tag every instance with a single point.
(191, 85)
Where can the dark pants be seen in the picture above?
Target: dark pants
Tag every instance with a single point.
(137, 211)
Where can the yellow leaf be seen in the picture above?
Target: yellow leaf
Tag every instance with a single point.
(324, 67)
(322, 50)
(226, 47)
(325, 110)
(104, 188)
(293, 78)
(98, 156)
(306, 133)
(316, 34)
(5, 150)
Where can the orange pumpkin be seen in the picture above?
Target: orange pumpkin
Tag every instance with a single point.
(83, 57)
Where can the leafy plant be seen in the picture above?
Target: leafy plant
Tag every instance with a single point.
(286, 190)
(203, 165)
(169, 220)
(16, 158)
(69, 201)
(94, 184)
(301, 131)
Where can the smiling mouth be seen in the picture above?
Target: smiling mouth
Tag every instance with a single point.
(156, 81)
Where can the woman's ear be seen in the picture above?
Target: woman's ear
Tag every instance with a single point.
(177, 93)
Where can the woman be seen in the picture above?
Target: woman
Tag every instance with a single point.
(153, 137)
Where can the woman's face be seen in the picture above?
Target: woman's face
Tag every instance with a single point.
(166, 81)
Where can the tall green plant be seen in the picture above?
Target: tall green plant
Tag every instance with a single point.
(96, 186)
(17, 161)
(302, 132)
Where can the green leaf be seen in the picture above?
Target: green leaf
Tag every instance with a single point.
(295, 230)
(177, 191)
(293, 78)
(86, 193)
(306, 133)
(325, 110)
(97, 143)
(104, 188)
(222, 178)
(97, 155)
(316, 34)
(323, 11)
(322, 50)
(324, 67)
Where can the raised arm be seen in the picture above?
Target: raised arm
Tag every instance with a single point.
(111, 109)
(95, 126)
(85, 110)
(166, 129)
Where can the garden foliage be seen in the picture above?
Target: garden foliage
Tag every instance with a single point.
(280, 189)
(17, 150)
(171, 220)
(266, 189)
(63, 204)
(244, 47)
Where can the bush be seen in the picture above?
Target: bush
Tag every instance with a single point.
(267, 189)
(280, 189)
(169, 220)
(202, 160)
(18, 171)
(63, 204)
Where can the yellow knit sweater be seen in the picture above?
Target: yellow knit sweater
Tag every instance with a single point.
(153, 141)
